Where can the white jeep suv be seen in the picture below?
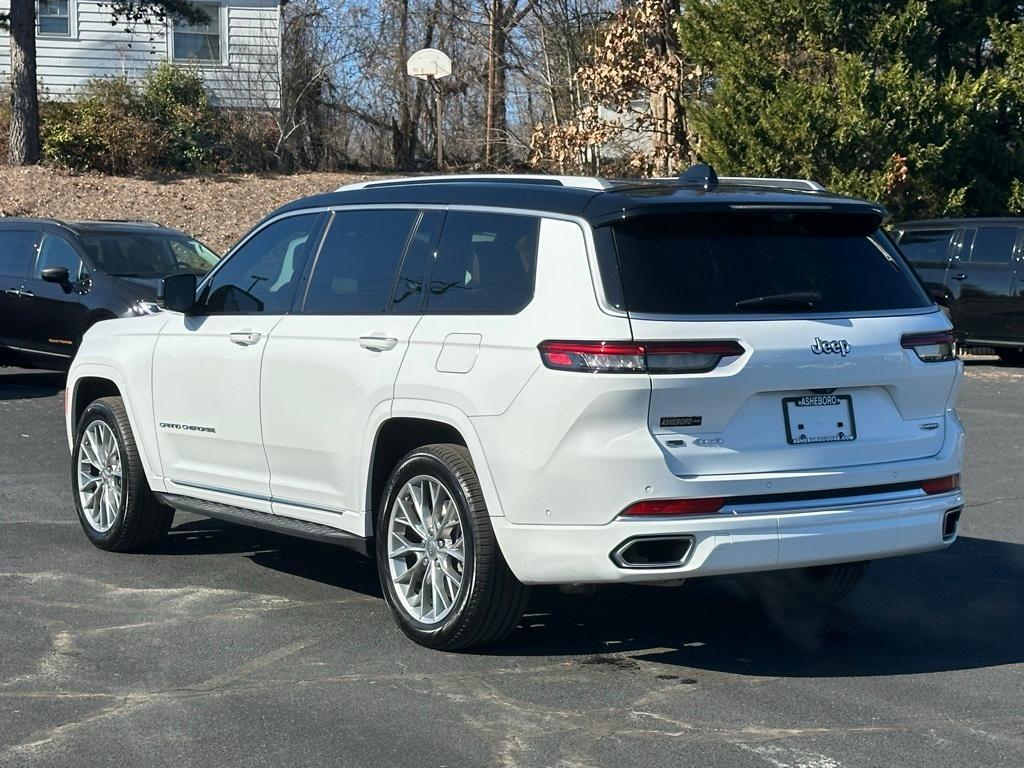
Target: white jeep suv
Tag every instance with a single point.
(490, 383)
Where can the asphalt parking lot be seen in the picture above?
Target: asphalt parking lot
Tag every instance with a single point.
(230, 646)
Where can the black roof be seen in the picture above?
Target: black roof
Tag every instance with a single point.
(82, 226)
(620, 200)
(1011, 221)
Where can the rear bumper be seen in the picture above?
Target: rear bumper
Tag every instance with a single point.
(836, 532)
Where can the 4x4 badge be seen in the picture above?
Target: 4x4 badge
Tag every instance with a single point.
(830, 347)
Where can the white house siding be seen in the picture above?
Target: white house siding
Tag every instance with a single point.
(249, 78)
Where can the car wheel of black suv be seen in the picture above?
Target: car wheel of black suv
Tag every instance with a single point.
(442, 573)
(1013, 356)
(116, 508)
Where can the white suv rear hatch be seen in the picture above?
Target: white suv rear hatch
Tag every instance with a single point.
(827, 314)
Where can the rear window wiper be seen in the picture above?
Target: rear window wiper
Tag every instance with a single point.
(796, 299)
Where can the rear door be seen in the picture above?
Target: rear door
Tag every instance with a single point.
(330, 367)
(17, 251)
(54, 315)
(980, 282)
(206, 367)
(819, 303)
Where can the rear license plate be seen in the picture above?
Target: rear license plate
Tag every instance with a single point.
(819, 419)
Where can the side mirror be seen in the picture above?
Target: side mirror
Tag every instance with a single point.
(178, 293)
(58, 275)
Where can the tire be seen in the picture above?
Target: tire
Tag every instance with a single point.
(829, 583)
(488, 599)
(1012, 356)
(133, 519)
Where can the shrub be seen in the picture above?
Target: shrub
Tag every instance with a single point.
(174, 99)
(104, 130)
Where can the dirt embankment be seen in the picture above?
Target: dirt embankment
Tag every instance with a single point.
(216, 209)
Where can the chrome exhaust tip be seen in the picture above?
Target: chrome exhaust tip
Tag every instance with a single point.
(660, 551)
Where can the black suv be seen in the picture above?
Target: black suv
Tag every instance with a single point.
(57, 278)
(974, 268)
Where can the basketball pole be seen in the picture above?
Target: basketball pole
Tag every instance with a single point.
(437, 108)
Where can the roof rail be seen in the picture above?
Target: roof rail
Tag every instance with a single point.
(145, 222)
(756, 181)
(579, 182)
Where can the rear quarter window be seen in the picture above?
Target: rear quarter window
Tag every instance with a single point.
(764, 263)
(486, 264)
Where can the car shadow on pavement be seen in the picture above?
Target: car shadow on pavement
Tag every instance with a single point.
(961, 608)
(324, 563)
(29, 385)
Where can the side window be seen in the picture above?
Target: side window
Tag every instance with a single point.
(355, 270)
(16, 251)
(407, 297)
(261, 277)
(927, 247)
(993, 245)
(485, 263)
(55, 251)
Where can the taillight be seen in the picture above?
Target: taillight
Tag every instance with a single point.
(637, 357)
(668, 507)
(930, 347)
(945, 484)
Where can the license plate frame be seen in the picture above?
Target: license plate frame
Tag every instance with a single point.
(832, 402)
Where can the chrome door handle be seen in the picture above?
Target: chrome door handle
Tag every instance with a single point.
(960, 277)
(13, 292)
(378, 343)
(26, 293)
(244, 338)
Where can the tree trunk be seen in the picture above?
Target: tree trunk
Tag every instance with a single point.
(24, 139)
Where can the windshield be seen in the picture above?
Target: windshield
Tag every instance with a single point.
(147, 254)
(767, 263)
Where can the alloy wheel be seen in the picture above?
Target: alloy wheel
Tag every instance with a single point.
(100, 482)
(426, 549)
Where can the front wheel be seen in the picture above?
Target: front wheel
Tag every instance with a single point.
(440, 567)
(115, 506)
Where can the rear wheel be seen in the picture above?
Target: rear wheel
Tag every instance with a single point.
(1013, 356)
(115, 506)
(829, 583)
(442, 573)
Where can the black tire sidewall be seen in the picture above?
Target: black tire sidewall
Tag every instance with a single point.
(425, 463)
(100, 411)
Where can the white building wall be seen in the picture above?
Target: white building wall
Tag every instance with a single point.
(248, 75)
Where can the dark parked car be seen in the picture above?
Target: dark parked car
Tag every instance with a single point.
(57, 278)
(974, 268)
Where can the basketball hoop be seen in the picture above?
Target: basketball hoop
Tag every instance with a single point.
(431, 65)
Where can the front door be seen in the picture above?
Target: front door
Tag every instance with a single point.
(980, 280)
(330, 367)
(54, 315)
(206, 367)
(17, 250)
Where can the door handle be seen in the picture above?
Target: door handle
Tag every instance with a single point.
(244, 338)
(13, 292)
(960, 277)
(378, 343)
(27, 294)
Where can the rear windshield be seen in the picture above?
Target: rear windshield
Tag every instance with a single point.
(765, 263)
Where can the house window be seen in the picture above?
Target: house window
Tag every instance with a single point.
(54, 17)
(199, 42)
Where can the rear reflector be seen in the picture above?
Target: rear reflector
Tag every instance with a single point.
(930, 347)
(668, 507)
(637, 357)
(945, 484)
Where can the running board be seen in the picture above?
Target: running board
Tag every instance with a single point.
(267, 522)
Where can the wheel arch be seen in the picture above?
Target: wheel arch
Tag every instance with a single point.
(410, 426)
(90, 381)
